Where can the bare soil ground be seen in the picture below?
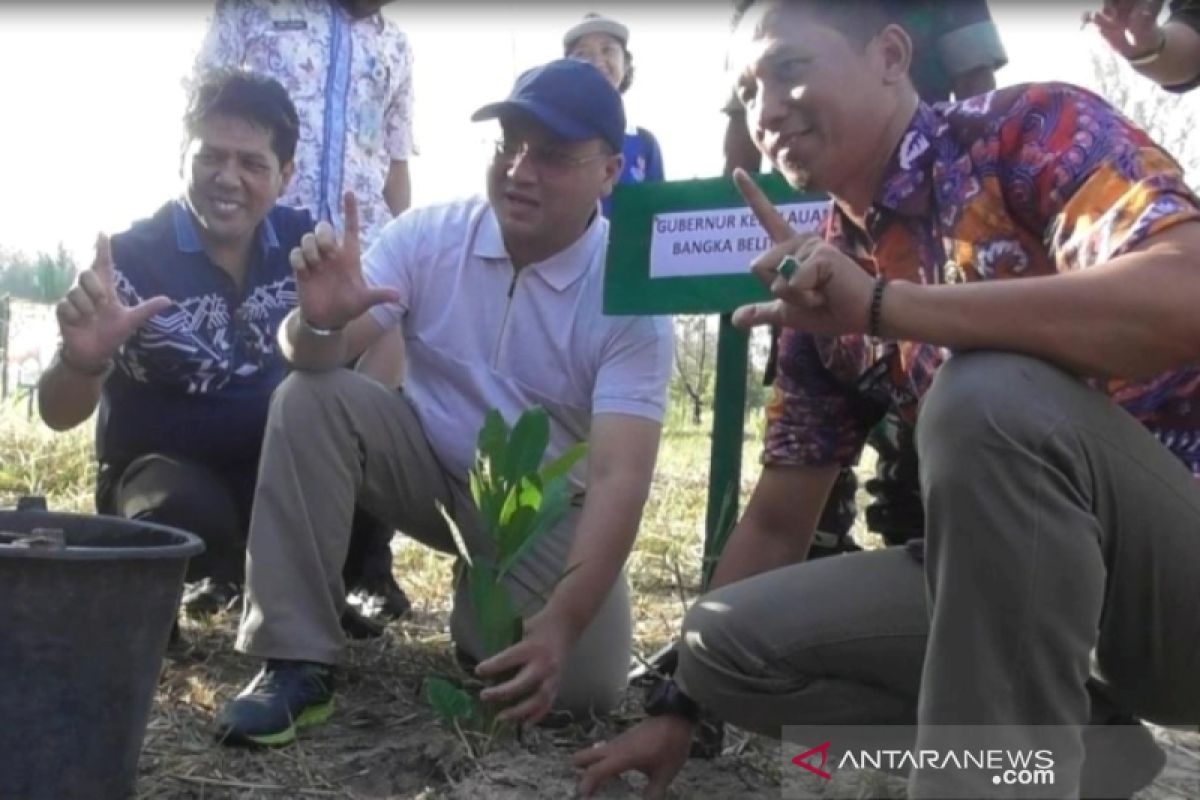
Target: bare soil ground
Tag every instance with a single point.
(384, 742)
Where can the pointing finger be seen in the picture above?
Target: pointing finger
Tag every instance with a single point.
(102, 264)
(770, 218)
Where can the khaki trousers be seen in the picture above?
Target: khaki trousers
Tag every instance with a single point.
(337, 438)
(1061, 572)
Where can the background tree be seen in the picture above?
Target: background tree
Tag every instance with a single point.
(693, 385)
(695, 356)
(44, 278)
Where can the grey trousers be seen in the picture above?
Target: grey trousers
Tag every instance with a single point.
(1062, 561)
(211, 501)
(337, 438)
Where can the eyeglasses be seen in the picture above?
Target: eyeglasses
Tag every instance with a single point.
(544, 158)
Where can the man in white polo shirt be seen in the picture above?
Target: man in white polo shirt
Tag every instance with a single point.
(500, 304)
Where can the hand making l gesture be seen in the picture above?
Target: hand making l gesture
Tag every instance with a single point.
(93, 321)
(329, 276)
(827, 293)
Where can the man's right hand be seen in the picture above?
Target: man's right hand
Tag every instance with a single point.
(93, 321)
(329, 274)
(657, 747)
(1129, 26)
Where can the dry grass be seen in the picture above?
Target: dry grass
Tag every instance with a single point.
(36, 461)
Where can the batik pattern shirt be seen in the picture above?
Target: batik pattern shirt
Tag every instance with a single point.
(1025, 181)
(351, 82)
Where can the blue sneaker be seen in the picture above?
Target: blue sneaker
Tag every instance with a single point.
(284, 697)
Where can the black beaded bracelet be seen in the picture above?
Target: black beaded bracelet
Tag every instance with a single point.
(875, 316)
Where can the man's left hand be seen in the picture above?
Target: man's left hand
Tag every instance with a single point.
(538, 660)
(828, 293)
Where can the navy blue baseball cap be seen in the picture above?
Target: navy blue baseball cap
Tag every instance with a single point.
(570, 97)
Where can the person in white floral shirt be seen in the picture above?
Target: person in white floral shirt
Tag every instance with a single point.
(349, 72)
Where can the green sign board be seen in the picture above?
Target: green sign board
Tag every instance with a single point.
(685, 247)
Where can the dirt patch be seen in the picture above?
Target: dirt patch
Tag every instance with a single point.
(384, 743)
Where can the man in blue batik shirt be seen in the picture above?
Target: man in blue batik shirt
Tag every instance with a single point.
(172, 332)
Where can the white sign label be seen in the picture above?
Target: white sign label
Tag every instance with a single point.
(720, 242)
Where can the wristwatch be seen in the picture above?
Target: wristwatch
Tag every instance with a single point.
(668, 698)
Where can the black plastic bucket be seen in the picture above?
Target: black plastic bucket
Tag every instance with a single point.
(83, 629)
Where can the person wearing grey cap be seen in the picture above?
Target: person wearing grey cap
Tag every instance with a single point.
(604, 43)
(499, 300)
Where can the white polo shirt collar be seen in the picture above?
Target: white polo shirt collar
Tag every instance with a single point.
(560, 270)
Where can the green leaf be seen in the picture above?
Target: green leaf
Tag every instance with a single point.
(450, 702)
(493, 608)
(527, 444)
(561, 466)
(486, 501)
(556, 499)
(478, 488)
(514, 532)
(526, 492)
(492, 445)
